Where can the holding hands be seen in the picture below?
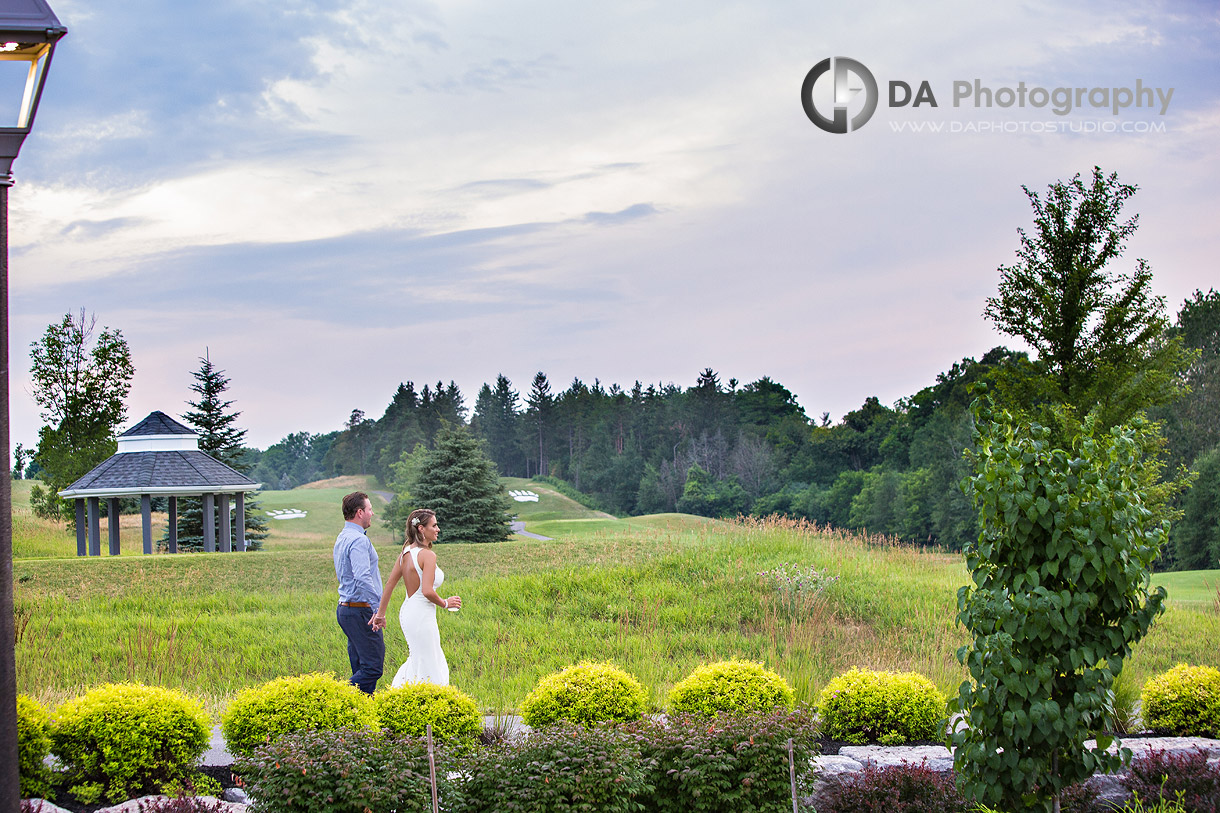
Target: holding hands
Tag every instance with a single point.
(452, 604)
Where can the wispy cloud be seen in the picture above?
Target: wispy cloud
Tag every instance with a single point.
(612, 191)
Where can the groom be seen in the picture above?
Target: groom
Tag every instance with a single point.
(359, 592)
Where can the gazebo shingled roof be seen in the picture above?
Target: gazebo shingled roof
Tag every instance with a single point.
(185, 473)
(158, 423)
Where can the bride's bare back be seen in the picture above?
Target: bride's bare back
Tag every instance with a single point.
(409, 577)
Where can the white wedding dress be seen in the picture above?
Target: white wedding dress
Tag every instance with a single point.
(425, 659)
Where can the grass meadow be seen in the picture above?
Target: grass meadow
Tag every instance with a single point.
(658, 595)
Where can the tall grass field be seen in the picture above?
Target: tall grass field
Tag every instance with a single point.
(658, 595)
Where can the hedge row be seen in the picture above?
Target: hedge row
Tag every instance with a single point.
(680, 764)
(120, 740)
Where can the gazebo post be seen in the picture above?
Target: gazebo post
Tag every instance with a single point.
(241, 521)
(146, 521)
(112, 524)
(209, 523)
(226, 532)
(82, 530)
(173, 524)
(95, 528)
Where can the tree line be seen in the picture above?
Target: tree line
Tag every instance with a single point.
(1104, 345)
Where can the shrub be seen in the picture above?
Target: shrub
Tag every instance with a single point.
(888, 707)
(1185, 777)
(737, 763)
(558, 769)
(908, 788)
(1183, 702)
(315, 701)
(121, 740)
(902, 788)
(342, 771)
(735, 687)
(408, 711)
(33, 746)
(586, 693)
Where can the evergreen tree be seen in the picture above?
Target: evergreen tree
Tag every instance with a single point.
(219, 437)
(496, 421)
(541, 405)
(458, 481)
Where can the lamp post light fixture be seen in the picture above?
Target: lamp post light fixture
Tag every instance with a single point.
(28, 33)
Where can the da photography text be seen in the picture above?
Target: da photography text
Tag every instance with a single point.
(848, 95)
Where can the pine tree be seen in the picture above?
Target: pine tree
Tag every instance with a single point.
(215, 421)
(458, 481)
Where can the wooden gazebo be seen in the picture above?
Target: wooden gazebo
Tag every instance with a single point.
(161, 457)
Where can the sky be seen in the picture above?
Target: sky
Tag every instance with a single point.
(330, 197)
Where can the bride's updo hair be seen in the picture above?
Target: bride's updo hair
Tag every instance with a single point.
(418, 518)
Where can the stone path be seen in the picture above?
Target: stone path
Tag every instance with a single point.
(519, 528)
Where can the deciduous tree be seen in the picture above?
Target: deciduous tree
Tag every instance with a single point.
(81, 384)
(1061, 593)
(1099, 333)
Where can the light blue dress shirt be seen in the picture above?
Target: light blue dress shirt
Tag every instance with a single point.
(356, 566)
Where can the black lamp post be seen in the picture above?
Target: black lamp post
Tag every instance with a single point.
(28, 33)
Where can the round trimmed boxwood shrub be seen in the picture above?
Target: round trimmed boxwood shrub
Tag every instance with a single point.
(408, 710)
(887, 707)
(299, 703)
(586, 693)
(33, 746)
(733, 687)
(123, 740)
(1183, 702)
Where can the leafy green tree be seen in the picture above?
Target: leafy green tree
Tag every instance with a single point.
(1196, 536)
(1192, 423)
(403, 476)
(833, 505)
(880, 507)
(220, 437)
(81, 384)
(765, 402)
(1061, 593)
(1100, 335)
(458, 481)
(708, 497)
(21, 456)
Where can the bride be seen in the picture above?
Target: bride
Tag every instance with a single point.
(416, 566)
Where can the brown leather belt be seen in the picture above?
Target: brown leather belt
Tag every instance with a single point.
(354, 604)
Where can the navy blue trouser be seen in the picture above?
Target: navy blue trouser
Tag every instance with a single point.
(365, 647)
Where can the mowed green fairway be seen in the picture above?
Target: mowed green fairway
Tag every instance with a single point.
(657, 595)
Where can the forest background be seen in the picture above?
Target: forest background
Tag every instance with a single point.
(719, 448)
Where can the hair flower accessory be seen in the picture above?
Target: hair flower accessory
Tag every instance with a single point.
(414, 521)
